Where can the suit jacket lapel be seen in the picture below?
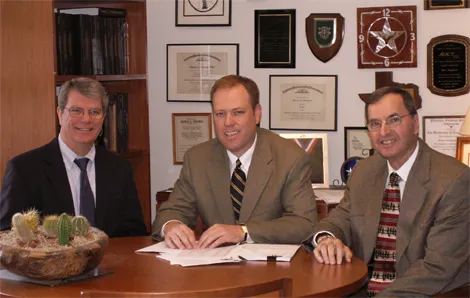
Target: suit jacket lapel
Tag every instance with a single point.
(259, 174)
(57, 176)
(374, 193)
(413, 197)
(219, 177)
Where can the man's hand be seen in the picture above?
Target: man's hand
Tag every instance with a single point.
(179, 235)
(331, 250)
(219, 234)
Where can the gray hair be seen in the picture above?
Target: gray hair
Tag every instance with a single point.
(87, 87)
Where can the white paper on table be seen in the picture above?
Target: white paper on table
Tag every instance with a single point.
(160, 247)
(330, 196)
(194, 262)
(261, 252)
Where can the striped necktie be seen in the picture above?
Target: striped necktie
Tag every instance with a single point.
(237, 188)
(384, 272)
(87, 199)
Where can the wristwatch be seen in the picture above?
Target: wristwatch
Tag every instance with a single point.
(245, 230)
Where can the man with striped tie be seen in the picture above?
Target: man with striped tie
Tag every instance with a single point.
(405, 211)
(248, 184)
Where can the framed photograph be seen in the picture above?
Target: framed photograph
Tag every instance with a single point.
(356, 142)
(463, 150)
(275, 38)
(316, 146)
(303, 102)
(189, 129)
(441, 132)
(445, 4)
(203, 13)
(192, 69)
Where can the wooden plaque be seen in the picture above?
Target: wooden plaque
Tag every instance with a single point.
(386, 37)
(445, 4)
(325, 34)
(448, 65)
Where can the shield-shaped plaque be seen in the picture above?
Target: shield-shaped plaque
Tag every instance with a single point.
(325, 33)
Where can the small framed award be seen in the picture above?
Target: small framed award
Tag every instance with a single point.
(356, 142)
(189, 129)
(275, 38)
(192, 69)
(303, 102)
(197, 13)
(449, 65)
(316, 146)
(441, 132)
(445, 4)
(463, 150)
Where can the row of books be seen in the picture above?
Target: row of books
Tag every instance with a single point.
(92, 41)
(115, 132)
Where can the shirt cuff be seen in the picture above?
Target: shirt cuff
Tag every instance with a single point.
(314, 239)
(163, 228)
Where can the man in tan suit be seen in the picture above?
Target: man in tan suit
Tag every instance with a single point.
(427, 248)
(247, 184)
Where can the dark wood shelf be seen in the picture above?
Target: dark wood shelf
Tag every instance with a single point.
(103, 78)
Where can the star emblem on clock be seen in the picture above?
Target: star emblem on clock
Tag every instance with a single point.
(386, 37)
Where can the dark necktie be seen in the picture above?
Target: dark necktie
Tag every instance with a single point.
(87, 201)
(384, 272)
(237, 188)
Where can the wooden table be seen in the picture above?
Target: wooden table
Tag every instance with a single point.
(145, 273)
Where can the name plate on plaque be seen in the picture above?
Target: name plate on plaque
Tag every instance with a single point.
(275, 38)
(448, 65)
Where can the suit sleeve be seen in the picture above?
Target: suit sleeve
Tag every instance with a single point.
(14, 196)
(298, 201)
(446, 248)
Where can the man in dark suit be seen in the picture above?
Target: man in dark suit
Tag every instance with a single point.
(414, 234)
(247, 184)
(50, 179)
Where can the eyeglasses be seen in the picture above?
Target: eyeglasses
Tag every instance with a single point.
(74, 112)
(392, 121)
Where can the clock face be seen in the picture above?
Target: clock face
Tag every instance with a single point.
(386, 37)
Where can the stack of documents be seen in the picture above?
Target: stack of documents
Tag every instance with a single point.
(330, 196)
(227, 254)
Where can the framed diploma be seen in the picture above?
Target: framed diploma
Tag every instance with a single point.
(203, 13)
(356, 142)
(189, 129)
(316, 146)
(463, 150)
(275, 38)
(445, 4)
(449, 65)
(441, 132)
(192, 69)
(303, 102)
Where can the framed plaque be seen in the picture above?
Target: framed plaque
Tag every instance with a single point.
(325, 34)
(303, 102)
(203, 13)
(275, 38)
(356, 142)
(441, 132)
(192, 69)
(448, 65)
(316, 146)
(445, 4)
(189, 129)
(386, 37)
(463, 150)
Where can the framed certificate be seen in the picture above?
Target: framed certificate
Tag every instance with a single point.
(463, 150)
(316, 146)
(203, 13)
(189, 129)
(192, 69)
(441, 132)
(303, 102)
(356, 142)
(445, 4)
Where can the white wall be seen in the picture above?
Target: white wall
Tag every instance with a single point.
(351, 80)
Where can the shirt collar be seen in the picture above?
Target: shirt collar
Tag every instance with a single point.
(69, 156)
(245, 159)
(404, 170)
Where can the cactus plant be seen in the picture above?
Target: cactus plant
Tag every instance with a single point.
(22, 229)
(31, 218)
(64, 229)
(49, 226)
(80, 226)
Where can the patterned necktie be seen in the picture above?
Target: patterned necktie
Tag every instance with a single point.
(237, 187)
(87, 201)
(385, 249)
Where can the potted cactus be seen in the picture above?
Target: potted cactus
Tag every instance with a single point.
(57, 247)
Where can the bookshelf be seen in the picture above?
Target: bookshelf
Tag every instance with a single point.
(27, 93)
